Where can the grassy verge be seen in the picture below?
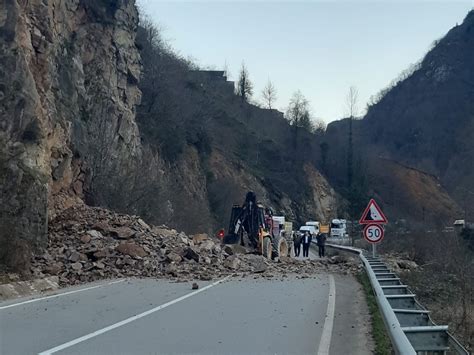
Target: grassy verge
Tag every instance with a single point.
(381, 338)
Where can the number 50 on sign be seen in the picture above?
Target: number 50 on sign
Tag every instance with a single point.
(373, 233)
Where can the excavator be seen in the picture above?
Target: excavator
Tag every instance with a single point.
(251, 225)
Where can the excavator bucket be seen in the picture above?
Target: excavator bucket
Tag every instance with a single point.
(245, 222)
(231, 239)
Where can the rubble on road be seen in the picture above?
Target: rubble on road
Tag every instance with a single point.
(87, 243)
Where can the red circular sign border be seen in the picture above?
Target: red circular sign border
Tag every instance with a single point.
(381, 228)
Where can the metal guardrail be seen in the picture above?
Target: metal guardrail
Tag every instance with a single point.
(411, 330)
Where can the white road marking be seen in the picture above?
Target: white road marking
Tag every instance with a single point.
(325, 342)
(128, 320)
(60, 294)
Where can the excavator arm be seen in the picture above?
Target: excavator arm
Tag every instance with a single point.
(248, 225)
(246, 219)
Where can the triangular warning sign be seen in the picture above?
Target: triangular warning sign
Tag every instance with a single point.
(373, 214)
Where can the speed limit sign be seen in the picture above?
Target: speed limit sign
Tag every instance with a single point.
(373, 233)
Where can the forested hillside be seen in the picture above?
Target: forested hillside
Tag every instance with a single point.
(415, 141)
(427, 120)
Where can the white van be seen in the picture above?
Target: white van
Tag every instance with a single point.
(314, 224)
(312, 229)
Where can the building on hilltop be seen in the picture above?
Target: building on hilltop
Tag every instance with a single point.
(205, 78)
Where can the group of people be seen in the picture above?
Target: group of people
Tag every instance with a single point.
(305, 239)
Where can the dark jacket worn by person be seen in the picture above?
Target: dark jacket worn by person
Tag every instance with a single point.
(297, 238)
(306, 239)
(321, 239)
(306, 243)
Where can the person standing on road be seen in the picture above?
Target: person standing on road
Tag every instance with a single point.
(297, 243)
(306, 242)
(321, 240)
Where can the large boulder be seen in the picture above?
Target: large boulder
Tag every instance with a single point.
(173, 257)
(131, 249)
(94, 234)
(407, 264)
(191, 254)
(143, 224)
(232, 262)
(235, 249)
(76, 266)
(207, 245)
(54, 269)
(199, 238)
(122, 233)
(257, 263)
(86, 238)
(164, 232)
(75, 256)
(228, 250)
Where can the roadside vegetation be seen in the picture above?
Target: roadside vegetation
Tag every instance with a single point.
(444, 278)
(379, 334)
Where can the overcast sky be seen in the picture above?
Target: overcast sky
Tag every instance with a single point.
(318, 47)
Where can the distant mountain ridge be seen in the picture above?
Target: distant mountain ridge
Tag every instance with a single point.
(426, 121)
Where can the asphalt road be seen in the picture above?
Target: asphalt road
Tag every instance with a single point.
(234, 316)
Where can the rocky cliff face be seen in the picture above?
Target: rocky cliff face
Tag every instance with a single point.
(68, 90)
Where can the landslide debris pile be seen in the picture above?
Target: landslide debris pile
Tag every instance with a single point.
(86, 244)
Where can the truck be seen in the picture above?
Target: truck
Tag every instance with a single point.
(288, 228)
(278, 224)
(284, 229)
(324, 228)
(311, 226)
(252, 225)
(339, 228)
(313, 223)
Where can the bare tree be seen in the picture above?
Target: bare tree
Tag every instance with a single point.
(298, 110)
(244, 85)
(227, 72)
(351, 107)
(306, 121)
(269, 95)
(298, 115)
(319, 126)
(351, 103)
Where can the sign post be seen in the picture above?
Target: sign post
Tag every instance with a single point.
(373, 219)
